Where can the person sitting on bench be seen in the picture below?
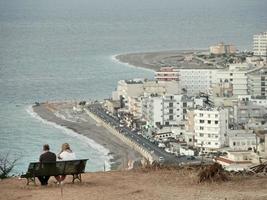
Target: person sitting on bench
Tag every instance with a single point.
(45, 157)
(65, 154)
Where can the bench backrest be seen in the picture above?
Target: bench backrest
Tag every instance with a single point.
(57, 168)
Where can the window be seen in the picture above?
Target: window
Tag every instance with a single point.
(201, 134)
(216, 122)
(209, 121)
(201, 114)
(170, 117)
(216, 115)
(171, 104)
(201, 128)
(201, 121)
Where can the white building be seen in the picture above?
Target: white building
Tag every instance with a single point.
(128, 91)
(167, 74)
(232, 81)
(211, 125)
(241, 140)
(163, 110)
(260, 45)
(257, 83)
(195, 81)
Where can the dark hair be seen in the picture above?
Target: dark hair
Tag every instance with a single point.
(46, 147)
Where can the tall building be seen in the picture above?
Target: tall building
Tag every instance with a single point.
(211, 125)
(231, 81)
(260, 45)
(195, 81)
(163, 110)
(257, 83)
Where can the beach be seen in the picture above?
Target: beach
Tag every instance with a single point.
(155, 60)
(62, 114)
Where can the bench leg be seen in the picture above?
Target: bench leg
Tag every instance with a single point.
(76, 176)
(31, 179)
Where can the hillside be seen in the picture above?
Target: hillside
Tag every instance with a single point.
(140, 184)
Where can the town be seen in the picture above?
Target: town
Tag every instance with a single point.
(218, 113)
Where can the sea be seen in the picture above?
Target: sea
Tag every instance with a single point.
(64, 50)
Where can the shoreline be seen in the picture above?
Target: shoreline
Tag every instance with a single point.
(119, 153)
(153, 61)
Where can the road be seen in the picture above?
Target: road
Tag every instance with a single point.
(157, 152)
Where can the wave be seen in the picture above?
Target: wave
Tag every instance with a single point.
(72, 133)
(114, 59)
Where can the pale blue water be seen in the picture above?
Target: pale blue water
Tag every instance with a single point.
(61, 49)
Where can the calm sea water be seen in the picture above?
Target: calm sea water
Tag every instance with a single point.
(62, 49)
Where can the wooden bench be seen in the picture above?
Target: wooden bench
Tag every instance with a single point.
(69, 167)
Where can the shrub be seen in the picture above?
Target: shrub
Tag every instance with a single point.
(6, 165)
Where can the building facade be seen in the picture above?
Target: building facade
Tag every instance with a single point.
(211, 125)
(194, 81)
(257, 83)
(260, 45)
(163, 110)
(222, 48)
(167, 74)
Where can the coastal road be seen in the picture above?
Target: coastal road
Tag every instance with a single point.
(114, 121)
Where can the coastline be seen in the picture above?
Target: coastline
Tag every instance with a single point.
(119, 153)
(155, 60)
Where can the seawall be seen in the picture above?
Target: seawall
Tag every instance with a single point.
(145, 153)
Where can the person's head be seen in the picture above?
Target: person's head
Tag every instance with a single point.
(65, 147)
(46, 147)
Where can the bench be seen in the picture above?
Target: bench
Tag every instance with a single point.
(69, 167)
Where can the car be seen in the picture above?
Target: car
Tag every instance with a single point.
(161, 159)
(191, 158)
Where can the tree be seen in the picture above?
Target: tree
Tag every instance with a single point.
(6, 165)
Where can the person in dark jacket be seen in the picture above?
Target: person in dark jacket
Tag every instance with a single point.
(46, 157)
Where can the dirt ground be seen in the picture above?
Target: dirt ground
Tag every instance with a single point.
(140, 184)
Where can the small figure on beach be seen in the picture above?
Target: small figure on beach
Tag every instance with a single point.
(65, 154)
(46, 157)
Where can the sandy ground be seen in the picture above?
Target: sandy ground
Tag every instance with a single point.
(145, 185)
(62, 114)
(155, 60)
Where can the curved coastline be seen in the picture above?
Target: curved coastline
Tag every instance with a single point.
(71, 132)
(115, 58)
(117, 153)
(153, 61)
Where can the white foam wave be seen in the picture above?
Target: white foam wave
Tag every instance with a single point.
(114, 59)
(72, 133)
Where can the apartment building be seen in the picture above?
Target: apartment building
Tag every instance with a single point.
(167, 74)
(257, 83)
(232, 81)
(128, 90)
(260, 45)
(194, 81)
(239, 140)
(211, 125)
(163, 110)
